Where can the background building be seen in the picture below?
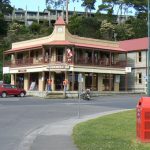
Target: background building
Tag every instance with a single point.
(27, 17)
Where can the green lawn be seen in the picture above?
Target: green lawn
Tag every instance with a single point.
(112, 132)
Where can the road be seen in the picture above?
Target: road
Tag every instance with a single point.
(21, 116)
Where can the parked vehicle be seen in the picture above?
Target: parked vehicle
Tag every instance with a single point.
(8, 89)
(86, 95)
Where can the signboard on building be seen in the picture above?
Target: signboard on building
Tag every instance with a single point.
(117, 78)
(80, 78)
(6, 70)
(127, 69)
(58, 66)
(22, 70)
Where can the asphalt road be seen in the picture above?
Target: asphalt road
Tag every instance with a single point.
(21, 116)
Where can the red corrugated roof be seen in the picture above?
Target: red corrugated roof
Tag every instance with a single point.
(60, 21)
(99, 47)
(84, 45)
(67, 43)
(134, 44)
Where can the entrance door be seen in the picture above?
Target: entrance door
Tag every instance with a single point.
(59, 78)
(20, 80)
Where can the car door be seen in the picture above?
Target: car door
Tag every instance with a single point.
(14, 90)
(8, 89)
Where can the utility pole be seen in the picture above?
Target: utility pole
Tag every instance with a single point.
(148, 67)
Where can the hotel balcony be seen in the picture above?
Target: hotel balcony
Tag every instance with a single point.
(60, 59)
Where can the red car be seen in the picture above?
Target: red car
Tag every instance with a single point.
(7, 89)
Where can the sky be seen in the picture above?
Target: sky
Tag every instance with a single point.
(33, 5)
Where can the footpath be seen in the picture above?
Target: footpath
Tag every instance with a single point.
(58, 135)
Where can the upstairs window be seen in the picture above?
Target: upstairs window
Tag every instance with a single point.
(139, 78)
(36, 55)
(139, 56)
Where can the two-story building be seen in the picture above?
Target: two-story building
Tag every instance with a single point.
(137, 60)
(32, 62)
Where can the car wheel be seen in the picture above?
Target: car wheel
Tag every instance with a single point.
(22, 94)
(4, 94)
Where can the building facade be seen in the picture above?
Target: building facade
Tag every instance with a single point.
(137, 60)
(63, 56)
(27, 17)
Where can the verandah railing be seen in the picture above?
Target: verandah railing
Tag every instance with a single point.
(59, 58)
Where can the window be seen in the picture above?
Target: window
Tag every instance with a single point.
(13, 86)
(7, 86)
(139, 78)
(139, 56)
(36, 55)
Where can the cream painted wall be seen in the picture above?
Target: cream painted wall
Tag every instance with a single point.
(116, 87)
(137, 67)
(13, 79)
(41, 81)
(100, 82)
(26, 81)
(52, 77)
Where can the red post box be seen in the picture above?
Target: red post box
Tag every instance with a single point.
(143, 119)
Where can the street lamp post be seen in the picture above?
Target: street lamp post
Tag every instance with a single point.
(148, 67)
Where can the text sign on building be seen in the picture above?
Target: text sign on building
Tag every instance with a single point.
(6, 70)
(58, 67)
(128, 69)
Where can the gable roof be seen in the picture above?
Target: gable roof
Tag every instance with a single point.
(134, 44)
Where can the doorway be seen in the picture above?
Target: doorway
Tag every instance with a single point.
(20, 80)
(59, 78)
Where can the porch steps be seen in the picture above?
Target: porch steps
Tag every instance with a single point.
(54, 95)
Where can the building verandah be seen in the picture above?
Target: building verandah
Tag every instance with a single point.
(94, 81)
(97, 66)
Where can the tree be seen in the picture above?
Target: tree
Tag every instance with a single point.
(5, 7)
(89, 4)
(123, 5)
(82, 26)
(3, 25)
(35, 27)
(107, 30)
(140, 5)
(74, 24)
(139, 25)
(57, 3)
(124, 31)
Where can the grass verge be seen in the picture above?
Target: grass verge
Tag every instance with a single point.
(112, 132)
